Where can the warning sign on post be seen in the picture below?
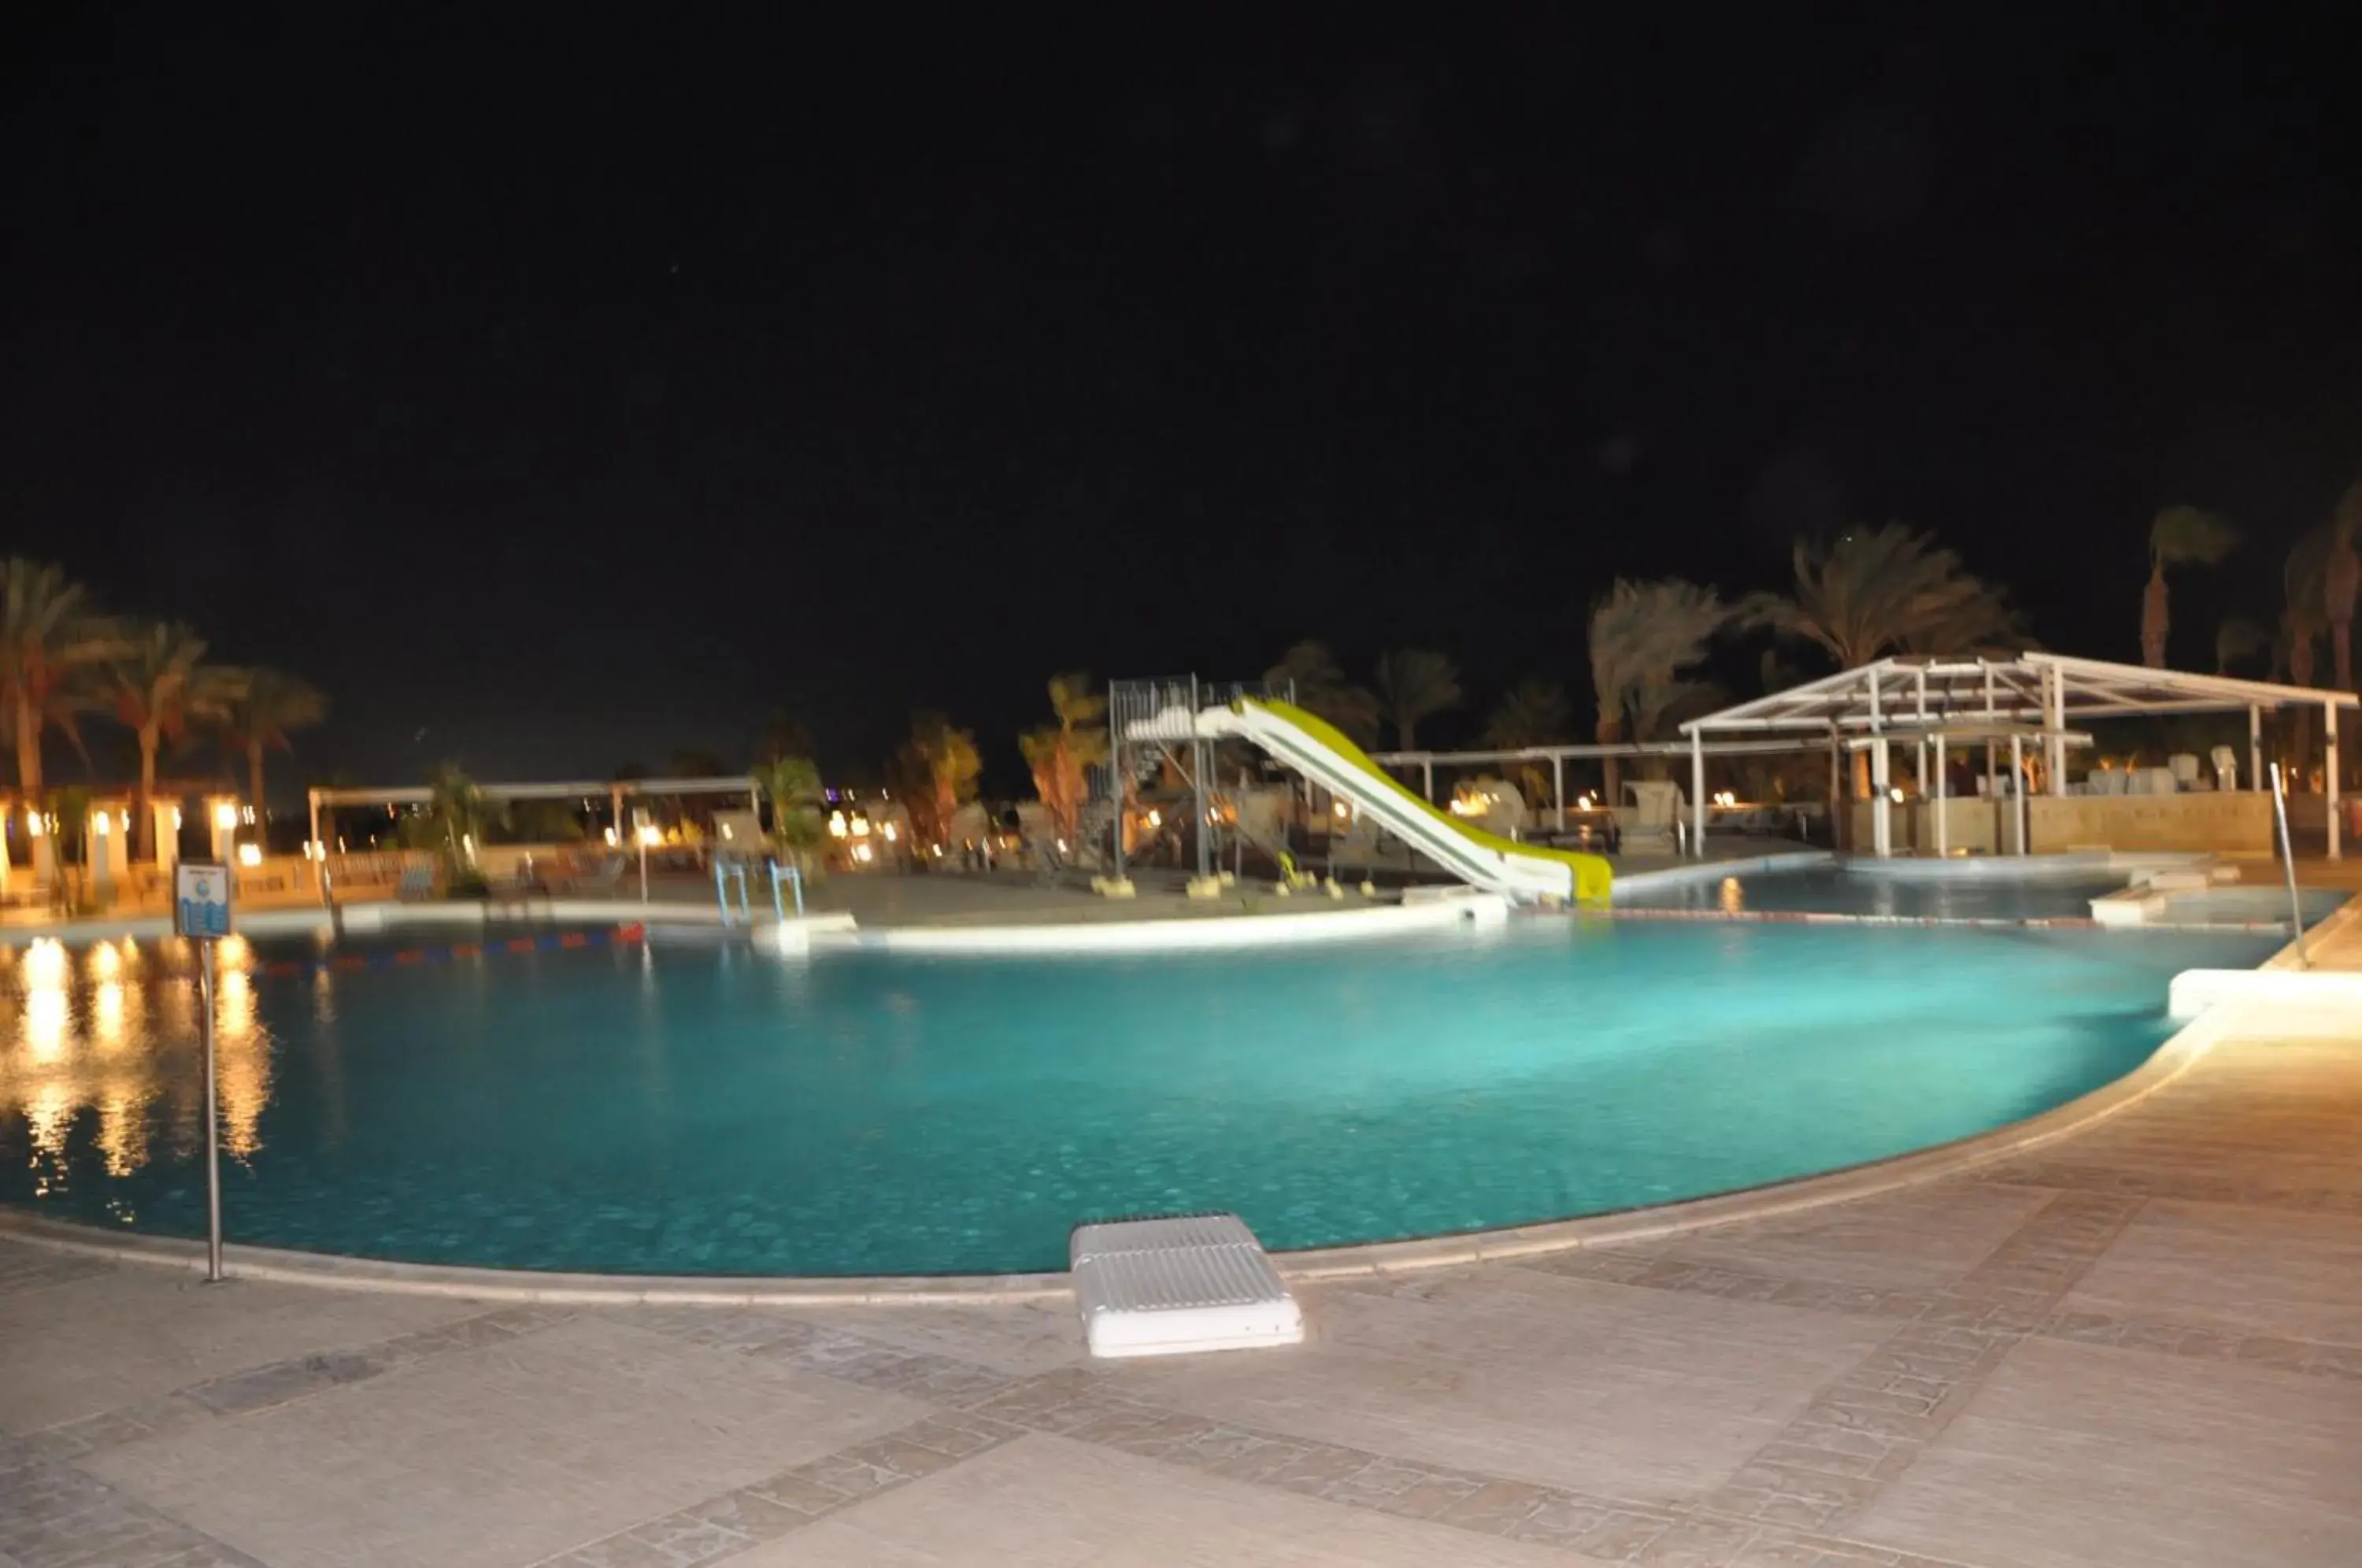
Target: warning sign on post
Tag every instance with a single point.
(201, 899)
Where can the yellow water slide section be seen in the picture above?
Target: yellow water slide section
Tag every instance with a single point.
(1592, 872)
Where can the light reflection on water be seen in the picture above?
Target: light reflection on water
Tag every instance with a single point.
(99, 1054)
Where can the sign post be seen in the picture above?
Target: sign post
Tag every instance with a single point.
(200, 912)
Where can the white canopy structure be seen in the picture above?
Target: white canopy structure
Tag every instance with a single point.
(615, 790)
(2041, 697)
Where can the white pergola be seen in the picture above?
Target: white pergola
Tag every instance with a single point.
(1557, 757)
(2041, 697)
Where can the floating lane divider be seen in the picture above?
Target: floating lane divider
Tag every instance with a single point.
(413, 957)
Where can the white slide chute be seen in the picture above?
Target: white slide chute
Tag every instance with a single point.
(1523, 872)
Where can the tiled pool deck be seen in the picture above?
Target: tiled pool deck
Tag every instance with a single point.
(2142, 1345)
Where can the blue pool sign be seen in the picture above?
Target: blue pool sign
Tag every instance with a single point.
(201, 899)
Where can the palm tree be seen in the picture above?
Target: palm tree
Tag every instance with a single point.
(2294, 650)
(1664, 698)
(1414, 684)
(2301, 625)
(271, 704)
(1886, 590)
(2323, 575)
(453, 823)
(2237, 639)
(2341, 583)
(1322, 687)
(1062, 753)
(162, 685)
(793, 785)
(1533, 712)
(2181, 536)
(936, 771)
(1643, 635)
(783, 737)
(54, 649)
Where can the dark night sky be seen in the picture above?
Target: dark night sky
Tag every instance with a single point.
(570, 391)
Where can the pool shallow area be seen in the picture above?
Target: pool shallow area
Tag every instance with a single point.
(716, 1111)
(1889, 894)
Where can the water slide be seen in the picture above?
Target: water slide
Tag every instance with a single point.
(1526, 872)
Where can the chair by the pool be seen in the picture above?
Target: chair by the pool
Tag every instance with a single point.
(1656, 809)
(604, 877)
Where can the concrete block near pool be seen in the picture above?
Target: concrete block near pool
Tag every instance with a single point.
(1173, 1287)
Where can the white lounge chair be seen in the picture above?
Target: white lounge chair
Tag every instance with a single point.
(604, 877)
(1653, 819)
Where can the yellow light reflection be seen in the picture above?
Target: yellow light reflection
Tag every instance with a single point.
(106, 1016)
(234, 953)
(1734, 898)
(110, 1033)
(48, 1111)
(242, 1061)
(123, 1130)
(46, 1016)
(45, 962)
(237, 993)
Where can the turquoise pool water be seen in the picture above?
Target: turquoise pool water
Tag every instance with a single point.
(703, 1109)
(1834, 892)
(1999, 896)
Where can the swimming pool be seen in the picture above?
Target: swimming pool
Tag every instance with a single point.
(714, 1110)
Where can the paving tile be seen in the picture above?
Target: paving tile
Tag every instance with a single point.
(1919, 1239)
(1623, 1535)
(1050, 1502)
(616, 1552)
(1697, 1543)
(2081, 1454)
(748, 1514)
(55, 1517)
(691, 1537)
(1495, 1508)
(1534, 1377)
(1560, 1520)
(2233, 1269)
(101, 1341)
(795, 1492)
(500, 1454)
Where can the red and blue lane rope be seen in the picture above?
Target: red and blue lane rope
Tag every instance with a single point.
(414, 957)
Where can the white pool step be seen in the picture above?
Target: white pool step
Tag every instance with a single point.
(1197, 1282)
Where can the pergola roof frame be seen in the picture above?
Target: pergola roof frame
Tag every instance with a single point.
(1909, 698)
(1892, 693)
(418, 794)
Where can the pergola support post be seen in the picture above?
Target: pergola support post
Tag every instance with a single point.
(1881, 818)
(1840, 797)
(2054, 725)
(2329, 775)
(1943, 829)
(1697, 795)
(2017, 788)
(2254, 747)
